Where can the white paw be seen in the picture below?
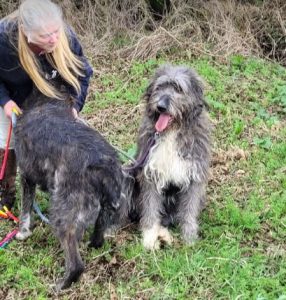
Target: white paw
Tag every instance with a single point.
(151, 244)
(165, 235)
(190, 233)
(110, 232)
(22, 235)
(150, 238)
(191, 240)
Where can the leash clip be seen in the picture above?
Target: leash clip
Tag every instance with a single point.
(156, 135)
(14, 119)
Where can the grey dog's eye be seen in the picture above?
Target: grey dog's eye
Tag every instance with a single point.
(157, 88)
(177, 88)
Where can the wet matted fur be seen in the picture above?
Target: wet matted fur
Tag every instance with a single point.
(79, 169)
(172, 183)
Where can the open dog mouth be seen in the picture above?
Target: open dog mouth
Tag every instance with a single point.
(163, 121)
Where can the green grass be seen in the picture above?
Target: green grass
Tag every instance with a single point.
(241, 253)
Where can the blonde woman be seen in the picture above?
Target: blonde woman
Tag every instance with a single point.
(37, 49)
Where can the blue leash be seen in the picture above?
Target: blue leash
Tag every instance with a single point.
(35, 205)
(38, 211)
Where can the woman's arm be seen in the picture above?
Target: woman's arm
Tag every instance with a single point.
(84, 81)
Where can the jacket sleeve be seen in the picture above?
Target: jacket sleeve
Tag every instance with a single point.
(83, 80)
(4, 94)
(4, 48)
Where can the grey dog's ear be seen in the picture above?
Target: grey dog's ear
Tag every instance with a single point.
(197, 110)
(152, 83)
(197, 92)
(148, 92)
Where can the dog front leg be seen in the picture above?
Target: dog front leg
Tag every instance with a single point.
(191, 204)
(151, 205)
(97, 237)
(28, 196)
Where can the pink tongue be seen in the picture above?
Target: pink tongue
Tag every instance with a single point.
(162, 122)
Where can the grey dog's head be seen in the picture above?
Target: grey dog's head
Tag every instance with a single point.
(174, 96)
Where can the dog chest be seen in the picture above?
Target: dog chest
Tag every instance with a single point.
(165, 164)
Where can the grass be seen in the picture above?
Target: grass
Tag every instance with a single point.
(241, 253)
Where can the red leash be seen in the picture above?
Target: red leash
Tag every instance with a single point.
(4, 163)
(9, 236)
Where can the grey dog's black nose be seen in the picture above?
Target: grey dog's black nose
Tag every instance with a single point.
(163, 103)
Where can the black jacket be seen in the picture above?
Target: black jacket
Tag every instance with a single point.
(15, 84)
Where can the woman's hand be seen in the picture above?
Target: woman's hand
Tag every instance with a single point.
(11, 107)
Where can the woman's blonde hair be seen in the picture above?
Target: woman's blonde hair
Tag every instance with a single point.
(32, 16)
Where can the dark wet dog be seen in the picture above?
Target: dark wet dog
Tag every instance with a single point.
(79, 169)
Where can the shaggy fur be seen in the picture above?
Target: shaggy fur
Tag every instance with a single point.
(76, 166)
(172, 183)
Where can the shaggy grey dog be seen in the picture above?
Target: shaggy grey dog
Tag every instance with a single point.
(171, 184)
(79, 169)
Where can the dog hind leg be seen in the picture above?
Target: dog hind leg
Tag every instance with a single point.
(73, 262)
(28, 196)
